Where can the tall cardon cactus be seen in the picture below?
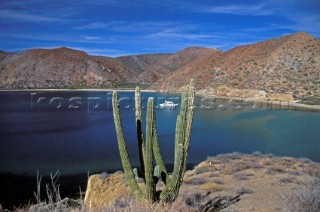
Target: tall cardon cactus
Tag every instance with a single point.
(149, 149)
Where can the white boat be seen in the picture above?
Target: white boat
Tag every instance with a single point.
(168, 104)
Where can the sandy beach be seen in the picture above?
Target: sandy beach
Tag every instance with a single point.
(271, 105)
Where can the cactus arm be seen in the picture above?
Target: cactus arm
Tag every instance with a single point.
(140, 138)
(180, 133)
(170, 192)
(128, 172)
(157, 155)
(156, 171)
(183, 128)
(148, 159)
(189, 117)
(180, 130)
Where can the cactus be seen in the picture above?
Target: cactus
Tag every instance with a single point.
(149, 149)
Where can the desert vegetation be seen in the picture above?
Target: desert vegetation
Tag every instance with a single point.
(270, 184)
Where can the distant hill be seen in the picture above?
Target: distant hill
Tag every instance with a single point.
(284, 67)
(59, 68)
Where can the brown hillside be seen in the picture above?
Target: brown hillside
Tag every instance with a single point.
(68, 68)
(197, 69)
(287, 65)
(152, 67)
(59, 68)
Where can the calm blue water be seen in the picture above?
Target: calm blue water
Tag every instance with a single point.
(73, 132)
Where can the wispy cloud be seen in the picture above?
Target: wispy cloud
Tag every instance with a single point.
(240, 9)
(64, 38)
(8, 15)
(142, 27)
(90, 38)
(177, 35)
(95, 25)
(304, 22)
(298, 15)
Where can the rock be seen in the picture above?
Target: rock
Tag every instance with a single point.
(103, 191)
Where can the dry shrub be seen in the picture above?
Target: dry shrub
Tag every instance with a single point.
(256, 153)
(286, 180)
(240, 176)
(218, 181)
(277, 169)
(235, 156)
(245, 191)
(132, 204)
(211, 187)
(304, 197)
(195, 200)
(196, 180)
(305, 160)
(236, 167)
(267, 162)
(201, 169)
(213, 174)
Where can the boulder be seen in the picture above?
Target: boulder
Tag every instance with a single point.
(103, 190)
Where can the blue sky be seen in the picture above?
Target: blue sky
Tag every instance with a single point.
(125, 27)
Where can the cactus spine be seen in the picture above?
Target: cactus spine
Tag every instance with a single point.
(149, 148)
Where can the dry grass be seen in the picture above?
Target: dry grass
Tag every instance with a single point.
(211, 187)
(53, 200)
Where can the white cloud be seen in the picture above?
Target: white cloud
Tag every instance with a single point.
(255, 10)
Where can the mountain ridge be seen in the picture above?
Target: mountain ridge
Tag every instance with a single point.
(288, 65)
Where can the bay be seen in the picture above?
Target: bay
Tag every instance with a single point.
(73, 131)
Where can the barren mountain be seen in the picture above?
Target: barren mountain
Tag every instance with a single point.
(150, 68)
(280, 68)
(284, 67)
(68, 68)
(59, 68)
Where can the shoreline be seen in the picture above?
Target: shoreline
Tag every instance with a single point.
(78, 89)
(278, 105)
(272, 104)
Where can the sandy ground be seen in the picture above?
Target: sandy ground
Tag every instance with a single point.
(264, 182)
